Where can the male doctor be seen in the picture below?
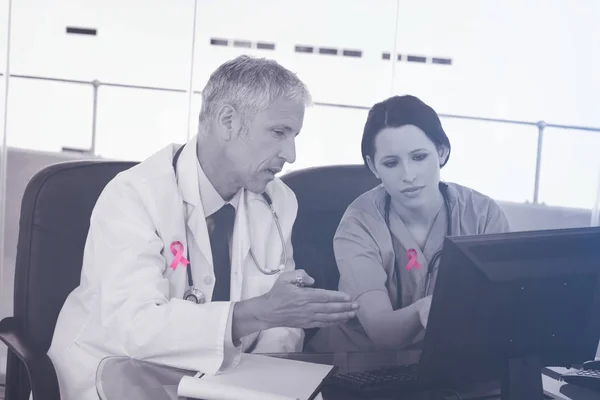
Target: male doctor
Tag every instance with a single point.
(200, 209)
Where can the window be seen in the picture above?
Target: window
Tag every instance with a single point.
(334, 46)
(330, 136)
(495, 159)
(570, 168)
(133, 123)
(47, 115)
(138, 42)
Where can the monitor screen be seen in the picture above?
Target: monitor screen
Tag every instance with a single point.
(508, 296)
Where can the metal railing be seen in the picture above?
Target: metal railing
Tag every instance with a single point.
(541, 125)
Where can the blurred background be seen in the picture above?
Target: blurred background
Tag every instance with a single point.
(516, 82)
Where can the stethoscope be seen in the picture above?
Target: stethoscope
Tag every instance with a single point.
(444, 190)
(195, 295)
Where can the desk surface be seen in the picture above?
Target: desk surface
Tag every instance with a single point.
(126, 378)
(123, 377)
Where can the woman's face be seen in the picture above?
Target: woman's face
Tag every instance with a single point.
(408, 164)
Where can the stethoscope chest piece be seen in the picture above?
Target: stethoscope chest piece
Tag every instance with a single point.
(194, 295)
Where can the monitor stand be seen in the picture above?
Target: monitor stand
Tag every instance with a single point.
(522, 379)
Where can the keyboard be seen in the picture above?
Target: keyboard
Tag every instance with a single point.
(377, 382)
(587, 378)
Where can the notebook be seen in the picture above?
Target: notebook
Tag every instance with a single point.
(259, 377)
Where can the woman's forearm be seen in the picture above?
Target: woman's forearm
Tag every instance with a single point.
(386, 327)
(395, 329)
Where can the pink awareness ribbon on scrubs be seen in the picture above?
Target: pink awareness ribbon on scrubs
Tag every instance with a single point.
(412, 259)
(177, 250)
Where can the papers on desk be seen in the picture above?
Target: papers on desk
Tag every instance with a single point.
(259, 377)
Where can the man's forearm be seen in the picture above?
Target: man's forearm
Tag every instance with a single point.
(246, 318)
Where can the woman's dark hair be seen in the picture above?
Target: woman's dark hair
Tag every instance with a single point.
(396, 112)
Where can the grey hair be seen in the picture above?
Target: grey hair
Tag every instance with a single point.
(249, 85)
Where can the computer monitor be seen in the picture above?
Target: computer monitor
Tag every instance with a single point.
(506, 305)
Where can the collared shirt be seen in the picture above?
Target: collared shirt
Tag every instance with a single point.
(212, 200)
(211, 203)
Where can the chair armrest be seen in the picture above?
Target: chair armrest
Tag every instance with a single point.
(40, 370)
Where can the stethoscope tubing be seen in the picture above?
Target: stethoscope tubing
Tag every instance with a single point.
(193, 293)
(444, 190)
(285, 255)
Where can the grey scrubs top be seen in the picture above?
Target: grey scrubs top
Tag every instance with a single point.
(366, 252)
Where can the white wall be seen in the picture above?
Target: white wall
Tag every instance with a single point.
(511, 59)
(141, 43)
(525, 60)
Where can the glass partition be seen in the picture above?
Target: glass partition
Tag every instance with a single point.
(497, 159)
(144, 42)
(336, 47)
(6, 274)
(133, 123)
(570, 168)
(195, 105)
(330, 136)
(596, 208)
(38, 107)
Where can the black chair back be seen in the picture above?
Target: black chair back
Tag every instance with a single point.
(323, 195)
(54, 222)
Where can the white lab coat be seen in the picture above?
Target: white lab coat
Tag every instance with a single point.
(129, 301)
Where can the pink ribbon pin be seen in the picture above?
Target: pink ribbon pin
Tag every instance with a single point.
(412, 259)
(177, 250)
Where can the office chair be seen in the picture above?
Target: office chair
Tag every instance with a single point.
(323, 195)
(54, 222)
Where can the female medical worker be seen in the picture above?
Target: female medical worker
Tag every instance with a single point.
(383, 262)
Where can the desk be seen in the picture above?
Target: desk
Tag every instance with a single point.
(125, 378)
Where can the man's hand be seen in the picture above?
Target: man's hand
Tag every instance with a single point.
(287, 305)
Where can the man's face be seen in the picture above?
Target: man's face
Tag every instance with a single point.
(261, 148)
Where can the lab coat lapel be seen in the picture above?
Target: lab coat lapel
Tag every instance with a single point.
(240, 247)
(264, 238)
(173, 206)
(199, 247)
(196, 224)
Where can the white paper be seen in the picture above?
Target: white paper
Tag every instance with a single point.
(258, 377)
(199, 388)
